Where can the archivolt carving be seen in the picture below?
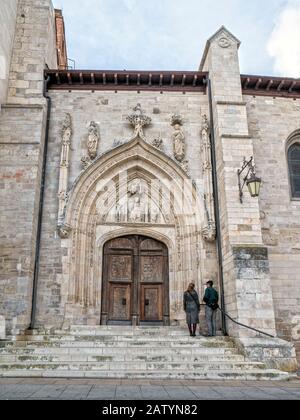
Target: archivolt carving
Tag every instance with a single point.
(131, 167)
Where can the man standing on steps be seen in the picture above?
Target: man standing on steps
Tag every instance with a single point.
(211, 299)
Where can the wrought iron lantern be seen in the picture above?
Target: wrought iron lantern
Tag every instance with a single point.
(251, 180)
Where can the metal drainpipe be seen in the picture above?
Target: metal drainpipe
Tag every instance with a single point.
(41, 209)
(217, 208)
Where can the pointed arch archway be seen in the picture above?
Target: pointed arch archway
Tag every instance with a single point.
(132, 190)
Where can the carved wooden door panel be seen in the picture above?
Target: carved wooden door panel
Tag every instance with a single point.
(120, 302)
(151, 303)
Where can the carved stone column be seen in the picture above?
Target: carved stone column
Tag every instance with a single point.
(209, 231)
(64, 170)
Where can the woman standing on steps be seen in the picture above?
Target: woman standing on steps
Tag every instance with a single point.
(191, 306)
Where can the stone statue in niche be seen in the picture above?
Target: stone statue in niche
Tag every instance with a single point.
(92, 145)
(93, 140)
(136, 202)
(178, 138)
(66, 141)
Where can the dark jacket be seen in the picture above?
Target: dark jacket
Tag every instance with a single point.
(191, 302)
(211, 296)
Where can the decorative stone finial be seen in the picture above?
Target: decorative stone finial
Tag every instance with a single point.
(139, 120)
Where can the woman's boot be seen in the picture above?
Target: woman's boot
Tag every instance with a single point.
(194, 330)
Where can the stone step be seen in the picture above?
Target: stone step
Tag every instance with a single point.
(129, 331)
(137, 358)
(222, 341)
(154, 351)
(114, 343)
(133, 366)
(254, 375)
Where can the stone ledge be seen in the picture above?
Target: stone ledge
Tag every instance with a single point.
(274, 352)
(232, 103)
(26, 106)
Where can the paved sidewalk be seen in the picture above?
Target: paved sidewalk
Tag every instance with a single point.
(63, 389)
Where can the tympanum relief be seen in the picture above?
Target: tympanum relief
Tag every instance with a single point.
(137, 206)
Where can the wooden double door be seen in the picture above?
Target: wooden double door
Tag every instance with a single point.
(135, 286)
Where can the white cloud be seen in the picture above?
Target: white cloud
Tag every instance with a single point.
(284, 43)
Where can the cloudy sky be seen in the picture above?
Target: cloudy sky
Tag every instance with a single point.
(171, 34)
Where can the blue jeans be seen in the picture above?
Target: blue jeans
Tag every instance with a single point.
(211, 319)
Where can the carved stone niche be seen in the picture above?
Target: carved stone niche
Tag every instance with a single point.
(64, 231)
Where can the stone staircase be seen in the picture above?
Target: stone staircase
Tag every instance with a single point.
(127, 353)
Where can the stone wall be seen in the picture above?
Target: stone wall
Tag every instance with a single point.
(110, 110)
(8, 16)
(22, 138)
(271, 123)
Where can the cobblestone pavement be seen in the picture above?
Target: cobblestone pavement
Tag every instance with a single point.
(103, 390)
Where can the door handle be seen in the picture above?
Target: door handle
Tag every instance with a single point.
(147, 302)
(124, 302)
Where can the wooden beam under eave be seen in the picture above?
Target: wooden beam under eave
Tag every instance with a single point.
(195, 80)
(270, 84)
(183, 80)
(247, 81)
(81, 78)
(138, 79)
(69, 78)
(127, 79)
(292, 86)
(57, 78)
(258, 83)
(161, 79)
(93, 78)
(104, 78)
(116, 79)
(280, 85)
(150, 79)
(172, 79)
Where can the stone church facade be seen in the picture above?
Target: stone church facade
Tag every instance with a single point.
(118, 188)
